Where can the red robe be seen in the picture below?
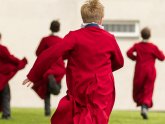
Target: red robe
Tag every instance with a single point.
(57, 68)
(144, 54)
(9, 66)
(93, 54)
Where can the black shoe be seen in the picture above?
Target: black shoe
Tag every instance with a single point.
(144, 112)
(6, 117)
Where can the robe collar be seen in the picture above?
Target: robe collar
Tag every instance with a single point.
(93, 24)
(145, 40)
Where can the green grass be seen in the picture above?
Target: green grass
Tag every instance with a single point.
(36, 116)
(133, 117)
(27, 116)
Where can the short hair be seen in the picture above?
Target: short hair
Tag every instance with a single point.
(145, 33)
(55, 26)
(0, 35)
(92, 11)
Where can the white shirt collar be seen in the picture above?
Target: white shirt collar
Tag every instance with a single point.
(83, 25)
(145, 40)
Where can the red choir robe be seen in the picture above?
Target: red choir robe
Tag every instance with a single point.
(93, 54)
(9, 66)
(56, 68)
(145, 54)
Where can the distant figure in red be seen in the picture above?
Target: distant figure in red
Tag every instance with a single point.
(144, 53)
(93, 55)
(9, 66)
(50, 83)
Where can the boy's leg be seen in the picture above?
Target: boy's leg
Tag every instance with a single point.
(144, 111)
(53, 86)
(6, 111)
(47, 105)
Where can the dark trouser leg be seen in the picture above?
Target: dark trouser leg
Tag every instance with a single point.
(144, 111)
(53, 86)
(6, 111)
(47, 105)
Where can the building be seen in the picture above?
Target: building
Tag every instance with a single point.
(23, 24)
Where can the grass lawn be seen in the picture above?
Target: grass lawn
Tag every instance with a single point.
(36, 116)
(133, 117)
(27, 116)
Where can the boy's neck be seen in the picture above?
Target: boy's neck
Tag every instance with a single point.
(52, 33)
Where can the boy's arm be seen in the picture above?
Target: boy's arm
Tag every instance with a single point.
(47, 57)
(117, 58)
(5, 54)
(130, 53)
(41, 47)
(159, 54)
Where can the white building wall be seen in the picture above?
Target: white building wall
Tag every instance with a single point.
(23, 23)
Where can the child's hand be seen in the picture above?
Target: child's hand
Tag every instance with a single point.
(28, 82)
(25, 60)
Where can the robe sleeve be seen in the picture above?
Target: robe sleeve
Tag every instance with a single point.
(159, 54)
(49, 56)
(117, 58)
(5, 54)
(130, 53)
(41, 47)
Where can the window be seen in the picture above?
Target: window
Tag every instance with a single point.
(122, 28)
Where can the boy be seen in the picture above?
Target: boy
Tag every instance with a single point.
(51, 81)
(144, 53)
(9, 66)
(93, 54)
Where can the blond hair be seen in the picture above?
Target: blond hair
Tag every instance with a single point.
(92, 11)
